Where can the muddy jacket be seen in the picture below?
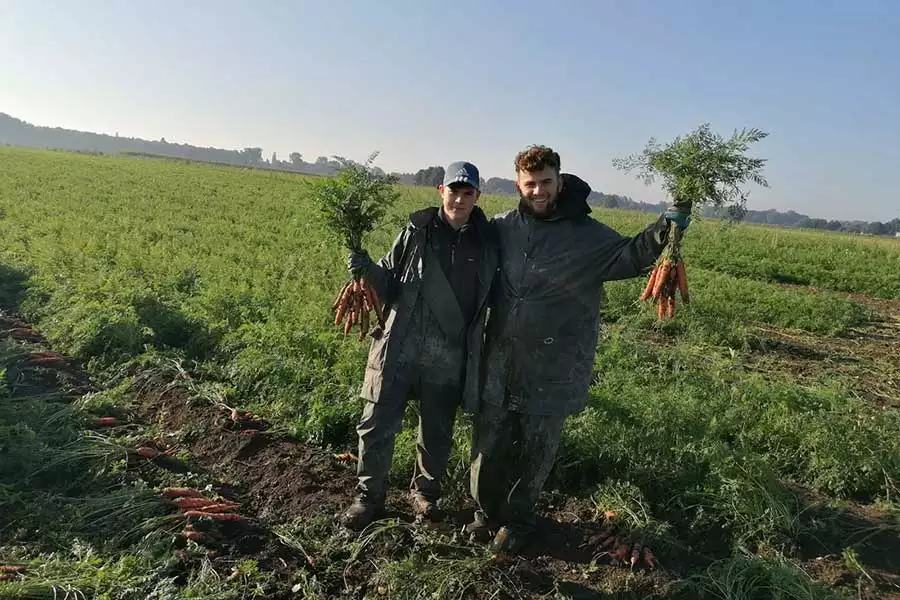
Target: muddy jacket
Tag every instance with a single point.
(542, 334)
(409, 278)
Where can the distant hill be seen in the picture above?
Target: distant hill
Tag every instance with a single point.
(15, 132)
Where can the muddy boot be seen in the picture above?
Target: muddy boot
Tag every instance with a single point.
(508, 541)
(478, 530)
(360, 513)
(424, 508)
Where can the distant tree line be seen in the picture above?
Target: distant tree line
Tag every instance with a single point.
(15, 132)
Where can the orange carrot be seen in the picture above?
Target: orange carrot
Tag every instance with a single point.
(635, 554)
(349, 324)
(620, 553)
(342, 310)
(661, 311)
(192, 535)
(237, 415)
(340, 296)
(7, 576)
(107, 421)
(175, 492)
(670, 308)
(47, 361)
(650, 282)
(193, 502)
(148, 452)
(346, 456)
(664, 269)
(11, 568)
(649, 559)
(216, 516)
(379, 308)
(224, 507)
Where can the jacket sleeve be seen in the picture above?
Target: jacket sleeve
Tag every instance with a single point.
(621, 257)
(385, 274)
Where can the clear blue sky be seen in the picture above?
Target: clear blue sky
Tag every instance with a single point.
(429, 82)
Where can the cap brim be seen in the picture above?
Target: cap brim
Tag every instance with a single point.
(460, 181)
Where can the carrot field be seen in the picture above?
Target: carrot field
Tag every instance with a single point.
(752, 441)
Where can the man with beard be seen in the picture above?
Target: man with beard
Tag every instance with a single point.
(542, 334)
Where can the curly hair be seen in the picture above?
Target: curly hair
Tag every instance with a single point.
(537, 158)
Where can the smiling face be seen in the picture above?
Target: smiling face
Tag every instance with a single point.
(539, 189)
(458, 201)
(538, 180)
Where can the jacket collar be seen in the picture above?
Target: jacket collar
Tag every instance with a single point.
(422, 218)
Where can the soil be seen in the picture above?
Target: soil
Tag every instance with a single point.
(277, 479)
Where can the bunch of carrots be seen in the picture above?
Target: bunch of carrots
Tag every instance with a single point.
(354, 303)
(621, 553)
(192, 503)
(11, 572)
(618, 549)
(667, 277)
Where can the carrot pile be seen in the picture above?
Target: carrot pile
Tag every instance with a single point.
(192, 503)
(620, 552)
(11, 572)
(668, 277)
(618, 548)
(354, 303)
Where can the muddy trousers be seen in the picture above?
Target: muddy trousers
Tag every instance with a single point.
(382, 421)
(512, 456)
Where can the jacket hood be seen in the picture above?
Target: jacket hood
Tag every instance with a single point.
(573, 197)
(572, 201)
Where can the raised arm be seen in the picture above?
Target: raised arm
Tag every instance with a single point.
(622, 257)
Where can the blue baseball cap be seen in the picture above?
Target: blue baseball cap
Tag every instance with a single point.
(462, 172)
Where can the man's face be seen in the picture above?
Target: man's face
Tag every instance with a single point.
(539, 189)
(458, 201)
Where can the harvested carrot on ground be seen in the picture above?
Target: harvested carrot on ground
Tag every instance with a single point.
(176, 492)
(11, 568)
(148, 452)
(635, 554)
(218, 508)
(106, 421)
(192, 502)
(216, 516)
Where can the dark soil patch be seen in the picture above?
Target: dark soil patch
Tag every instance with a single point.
(278, 479)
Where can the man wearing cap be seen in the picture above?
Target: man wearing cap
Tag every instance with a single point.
(434, 283)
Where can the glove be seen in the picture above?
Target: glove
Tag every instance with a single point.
(358, 263)
(680, 213)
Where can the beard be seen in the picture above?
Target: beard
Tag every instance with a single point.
(526, 207)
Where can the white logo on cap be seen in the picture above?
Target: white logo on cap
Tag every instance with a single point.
(462, 173)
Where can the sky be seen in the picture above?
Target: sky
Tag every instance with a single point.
(427, 83)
